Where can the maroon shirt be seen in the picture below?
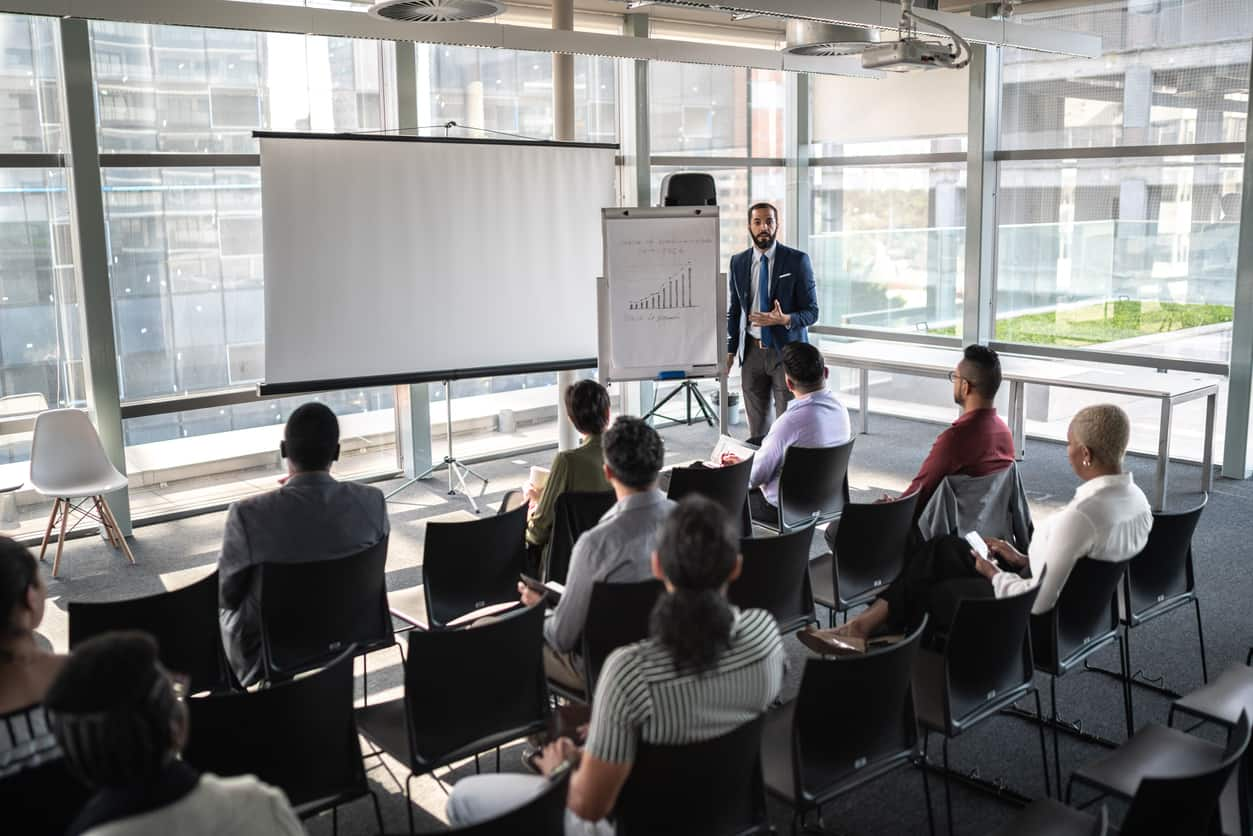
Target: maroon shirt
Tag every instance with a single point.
(978, 443)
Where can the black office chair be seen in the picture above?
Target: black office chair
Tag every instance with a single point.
(870, 541)
(774, 576)
(851, 723)
(1159, 580)
(712, 788)
(543, 815)
(184, 622)
(813, 485)
(617, 614)
(985, 667)
(1157, 752)
(727, 486)
(466, 691)
(511, 501)
(1046, 817)
(574, 513)
(1084, 620)
(311, 611)
(298, 735)
(468, 565)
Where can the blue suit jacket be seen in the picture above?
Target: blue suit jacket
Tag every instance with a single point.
(792, 285)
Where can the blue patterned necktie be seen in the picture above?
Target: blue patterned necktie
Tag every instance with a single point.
(763, 297)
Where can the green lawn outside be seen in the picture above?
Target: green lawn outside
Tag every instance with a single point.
(1103, 323)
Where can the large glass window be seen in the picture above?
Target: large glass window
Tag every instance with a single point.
(698, 110)
(30, 77)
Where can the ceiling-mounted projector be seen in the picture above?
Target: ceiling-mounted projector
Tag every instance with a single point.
(436, 11)
(911, 52)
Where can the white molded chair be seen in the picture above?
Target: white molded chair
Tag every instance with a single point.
(67, 460)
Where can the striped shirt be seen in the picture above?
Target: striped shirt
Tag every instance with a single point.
(640, 696)
(26, 740)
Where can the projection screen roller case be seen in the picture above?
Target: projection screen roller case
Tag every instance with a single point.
(398, 260)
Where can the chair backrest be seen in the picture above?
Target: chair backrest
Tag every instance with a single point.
(299, 736)
(987, 653)
(1185, 805)
(870, 545)
(543, 815)
(993, 504)
(1086, 613)
(727, 486)
(1163, 570)
(469, 686)
(775, 577)
(713, 788)
(184, 622)
(42, 800)
(813, 480)
(468, 565)
(854, 713)
(511, 501)
(66, 451)
(574, 513)
(311, 611)
(617, 614)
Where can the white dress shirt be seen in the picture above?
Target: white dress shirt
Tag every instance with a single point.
(1108, 519)
(754, 268)
(814, 420)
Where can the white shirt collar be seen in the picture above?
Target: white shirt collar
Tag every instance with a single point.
(1100, 483)
(757, 253)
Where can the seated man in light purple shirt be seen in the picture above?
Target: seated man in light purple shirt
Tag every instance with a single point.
(814, 418)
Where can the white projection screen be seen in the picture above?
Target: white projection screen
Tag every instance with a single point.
(395, 259)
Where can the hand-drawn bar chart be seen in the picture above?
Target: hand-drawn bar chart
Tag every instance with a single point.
(674, 293)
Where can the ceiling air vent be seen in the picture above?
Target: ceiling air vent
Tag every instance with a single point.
(807, 37)
(436, 11)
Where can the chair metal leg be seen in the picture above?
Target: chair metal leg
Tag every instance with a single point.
(926, 784)
(948, 796)
(52, 520)
(476, 763)
(335, 820)
(1057, 749)
(1124, 649)
(1200, 637)
(365, 679)
(409, 803)
(378, 811)
(1044, 752)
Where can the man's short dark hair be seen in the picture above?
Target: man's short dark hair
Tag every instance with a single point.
(986, 372)
(112, 709)
(763, 205)
(587, 404)
(803, 364)
(312, 436)
(633, 451)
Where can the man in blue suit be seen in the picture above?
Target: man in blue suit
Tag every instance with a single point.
(773, 301)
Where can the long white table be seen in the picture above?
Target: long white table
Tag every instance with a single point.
(1171, 389)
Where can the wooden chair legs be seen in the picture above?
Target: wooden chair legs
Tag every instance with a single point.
(98, 510)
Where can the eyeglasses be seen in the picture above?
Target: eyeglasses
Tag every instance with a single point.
(954, 376)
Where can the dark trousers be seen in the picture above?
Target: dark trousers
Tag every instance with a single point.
(938, 574)
(761, 509)
(761, 378)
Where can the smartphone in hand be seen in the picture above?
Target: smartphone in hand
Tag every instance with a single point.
(976, 542)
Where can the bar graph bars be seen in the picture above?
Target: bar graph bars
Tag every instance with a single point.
(673, 294)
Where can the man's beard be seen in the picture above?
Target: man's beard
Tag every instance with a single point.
(764, 241)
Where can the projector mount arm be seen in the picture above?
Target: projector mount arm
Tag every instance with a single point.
(959, 56)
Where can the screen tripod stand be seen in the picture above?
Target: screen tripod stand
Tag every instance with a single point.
(692, 391)
(456, 470)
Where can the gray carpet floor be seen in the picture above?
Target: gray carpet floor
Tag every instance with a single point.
(1003, 749)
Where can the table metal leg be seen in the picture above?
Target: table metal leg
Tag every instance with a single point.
(863, 397)
(1207, 455)
(1018, 418)
(1163, 454)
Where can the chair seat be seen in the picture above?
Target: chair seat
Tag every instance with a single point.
(776, 754)
(94, 485)
(1046, 817)
(409, 605)
(384, 725)
(1155, 750)
(823, 580)
(928, 681)
(1222, 699)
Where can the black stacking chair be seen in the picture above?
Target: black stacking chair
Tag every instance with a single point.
(617, 614)
(985, 667)
(543, 815)
(511, 501)
(1046, 817)
(468, 565)
(1157, 752)
(1160, 580)
(489, 690)
(813, 484)
(851, 723)
(713, 788)
(183, 621)
(1221, 701)
(727, 486)
(311, 611)
(574, 513)
(774, 576)
(869, 553)
(298, 735)
(1084, 620)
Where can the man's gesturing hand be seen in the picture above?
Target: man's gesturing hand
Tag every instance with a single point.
(774, 316)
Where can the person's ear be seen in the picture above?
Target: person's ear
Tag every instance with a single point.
(787, 381)
(735, 570)
(826, 373)
(655, 561)
(335, 457)
(282, 449)
(608, 473)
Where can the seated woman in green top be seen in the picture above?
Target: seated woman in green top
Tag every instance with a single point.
(580, 469)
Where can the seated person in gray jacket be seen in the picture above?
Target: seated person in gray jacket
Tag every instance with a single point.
(312, 516)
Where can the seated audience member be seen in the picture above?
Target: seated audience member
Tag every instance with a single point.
(813, 418)
(706, 669)
(580, 469)
(122, 724)
(1108, 519)
(615, 551)
(312, 516)
(26, 668)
